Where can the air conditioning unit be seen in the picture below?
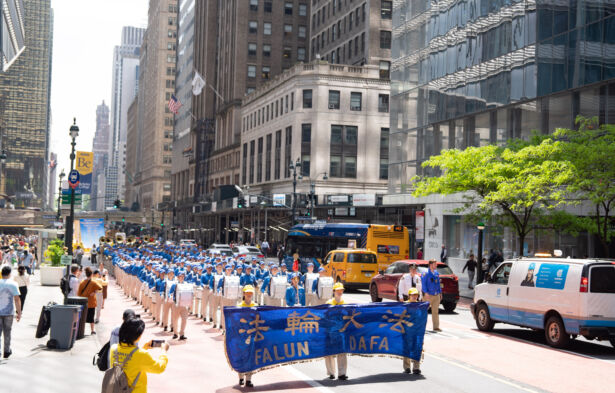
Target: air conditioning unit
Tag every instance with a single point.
(332, 106)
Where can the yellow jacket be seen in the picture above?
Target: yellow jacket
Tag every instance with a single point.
(141, 362)
(334, 303)
(244, 304)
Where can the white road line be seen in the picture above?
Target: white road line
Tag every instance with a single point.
(484, 374)
(308, 380)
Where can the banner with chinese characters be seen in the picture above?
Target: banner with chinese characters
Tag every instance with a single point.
(263, 337)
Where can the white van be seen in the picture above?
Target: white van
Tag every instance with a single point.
(562, 296)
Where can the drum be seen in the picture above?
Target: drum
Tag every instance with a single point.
(309, 282)
(232, 289)
(278, 287)
(325, 287)
(217, 278)
(184, 294)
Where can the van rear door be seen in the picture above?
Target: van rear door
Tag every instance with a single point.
(600, 302)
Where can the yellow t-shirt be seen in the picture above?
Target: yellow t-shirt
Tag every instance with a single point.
(141, 361)
(334, 303)
(244, 304)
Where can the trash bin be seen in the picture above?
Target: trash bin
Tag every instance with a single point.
(64, 325)
(83, 302)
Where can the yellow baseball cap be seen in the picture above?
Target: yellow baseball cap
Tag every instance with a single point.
(338, 285)
(413, 291)
(248, 288)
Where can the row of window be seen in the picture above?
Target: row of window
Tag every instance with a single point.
(269, 112)
(268, 7)
(287, 54)
(267, 28)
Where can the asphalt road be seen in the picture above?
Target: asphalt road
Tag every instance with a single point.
(463, 359)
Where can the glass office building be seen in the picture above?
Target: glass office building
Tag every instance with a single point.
(476, 72)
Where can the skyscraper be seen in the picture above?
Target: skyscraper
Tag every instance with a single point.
(125, 85)
(24, 111)
(12, 31)
(100, 148)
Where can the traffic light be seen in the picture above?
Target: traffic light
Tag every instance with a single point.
(241, 202)
(162, 224)
(117, 204)
(123, 219)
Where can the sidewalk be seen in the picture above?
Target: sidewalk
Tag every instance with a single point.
(195, 365)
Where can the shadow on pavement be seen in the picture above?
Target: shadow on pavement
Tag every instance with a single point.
(376, 378)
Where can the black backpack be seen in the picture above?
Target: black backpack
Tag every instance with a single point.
(101, 359)
(65, 285)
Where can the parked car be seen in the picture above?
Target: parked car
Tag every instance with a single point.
(219, 252)
(187, 243)
(247, 252)
(385, 284)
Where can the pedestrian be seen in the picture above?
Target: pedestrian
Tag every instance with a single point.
(419, 253)
(137, 362)
(471, 266)
(88, 289)
(265, 248)
(280, 255)
(413, 297)
(78, 255)
(73, 280)
(23, 282)
(26, 260)
(105, 282)
(93, 255)
(493, 256)
(412, 279)
(433, 292)
(248, 296)
(444, 254)
(342, 358)
(9, 304)
(99, 294)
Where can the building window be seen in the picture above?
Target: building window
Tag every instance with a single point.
(385, 39)
(334, 99)
(259, 161)
(170, 59)
(356, 45)
(288, 150)
(306, 146)
(287, 52)
(288, 8)
(362, 42)
(355, 101)
(172, 34)
(302, 9)
(267, 28)
(251, 49)
(357, 14)
(292, 101)
(253, 27)
(251, 71)
(307, 98)
(278, 154)
(253, 5)
(384, 153)
(343, 159)
(386, 9)
(333, 31)
(302, 32)
(288, 30)
(268, 159)
(250, 90)
(300, 54)
(350, 21)
(166, 159)
(266, 50)
(286, 104)
(363, 11)
(267, 72)
(171, 46)
(385, 70)
(383, 103)
(267, 6)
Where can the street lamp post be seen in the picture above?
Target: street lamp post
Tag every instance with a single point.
(3, 161)
(62, 174)
(313, 191)
(294, 167)
(479, 259)
(68, 231)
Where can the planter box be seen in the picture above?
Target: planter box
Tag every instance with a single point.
(51, 275)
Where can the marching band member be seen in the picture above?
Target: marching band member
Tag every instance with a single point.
(206, 279)
(413, 297)
(158, 296)
(248, 278)
(248, 295)
(216, 298)
(342, 359)
(322, 287)
(308, 283)
(198, 290)
(230, 287)
(183, 294)
(168, 299)
(295, 294)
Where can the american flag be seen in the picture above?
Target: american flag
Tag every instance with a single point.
(174, 104)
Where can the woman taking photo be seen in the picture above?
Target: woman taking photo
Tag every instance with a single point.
(141, 361)
(23, 282)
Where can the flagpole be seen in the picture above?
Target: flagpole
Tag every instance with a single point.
(216, 91)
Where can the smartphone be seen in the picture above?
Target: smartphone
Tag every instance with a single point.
(157, 343)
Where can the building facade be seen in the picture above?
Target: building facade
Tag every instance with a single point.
(25, 111)
(12, 32)
(100, 148)
(132, 132)
(470, 73)
(152, 179)
(352, 32)
(125, 85)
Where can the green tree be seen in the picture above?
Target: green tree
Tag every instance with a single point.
(510, 185)
(590, 150)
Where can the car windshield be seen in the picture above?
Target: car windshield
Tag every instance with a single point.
(361, 258)
(253, 249)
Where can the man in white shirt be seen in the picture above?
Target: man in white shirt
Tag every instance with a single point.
(73, 280)
(9, 295)
(26, 260)
(407, 281)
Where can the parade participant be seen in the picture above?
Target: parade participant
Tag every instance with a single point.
(295, 294)
(216, 297)
(248, 295)
(183, 294)
(308, 283)
(407, 281)
(248, 278)
(433, 292)
(198, 290)
(342, 359)
(105, 282)
(168, 300)
(206, 279)
(322, 287)
(266, 286)
(230, 291)
(159, 296)
(413, 297)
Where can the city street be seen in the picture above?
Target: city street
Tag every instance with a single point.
(459, 359)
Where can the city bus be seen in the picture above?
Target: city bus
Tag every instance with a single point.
(313, 241)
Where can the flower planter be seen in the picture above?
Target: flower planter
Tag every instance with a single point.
(51, 275)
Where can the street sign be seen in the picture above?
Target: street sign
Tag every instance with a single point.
(73, 178)
(66, 260)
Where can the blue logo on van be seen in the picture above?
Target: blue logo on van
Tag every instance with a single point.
(552, 276)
